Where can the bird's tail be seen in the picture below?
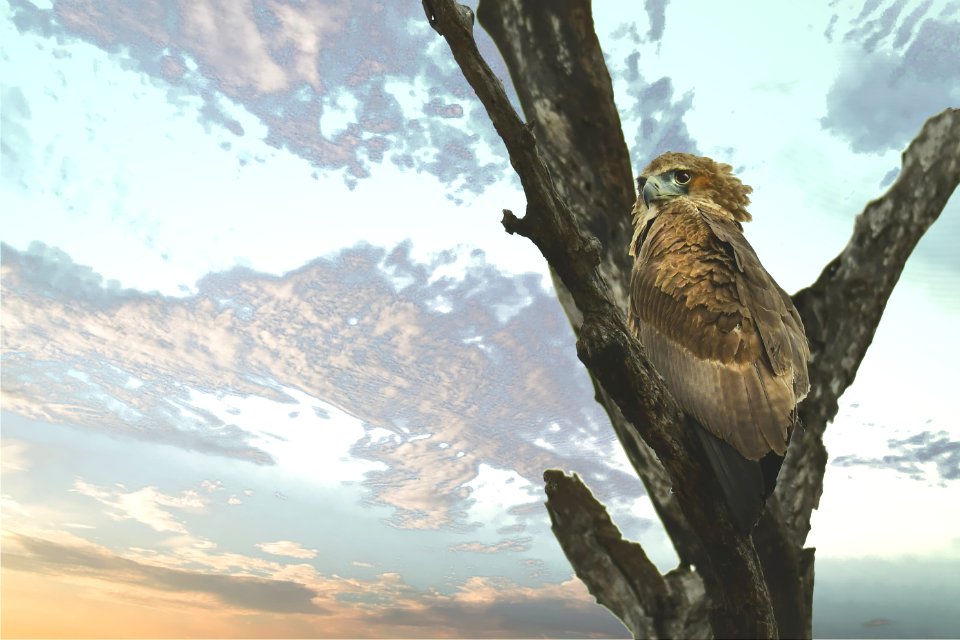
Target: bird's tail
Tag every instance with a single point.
(746, 484)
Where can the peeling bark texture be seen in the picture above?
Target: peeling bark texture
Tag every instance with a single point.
(575, 171)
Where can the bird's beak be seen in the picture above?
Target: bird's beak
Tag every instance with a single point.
(660, 188)
(652, 190)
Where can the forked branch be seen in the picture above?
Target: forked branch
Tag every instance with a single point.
(741, 603)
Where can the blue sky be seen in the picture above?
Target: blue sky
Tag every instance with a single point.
(270, 362)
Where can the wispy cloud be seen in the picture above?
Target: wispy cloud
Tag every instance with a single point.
(13, 456)
(385, 605)
(920, 456)
(494, 607)
(434, 393)
(897, 64)
(294, 67)
(287, 548)
(144, 505)
(514, 544)
(211, 485)
(11, 506)
(256, 594)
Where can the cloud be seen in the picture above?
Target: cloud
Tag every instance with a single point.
(914, 456)
(489, 374)
(15, 134)
(650, 112)
(876, 23)
(257, 594)
(99, 394)
(294, 67)
(495, 607)
(13, 456)
(287, 548)
(10, 505)
(211, 485)
(883, 94)
(52, 271)
(656, 12)
(144, 505)
(515, 544)
(255, 49)
(385, 605)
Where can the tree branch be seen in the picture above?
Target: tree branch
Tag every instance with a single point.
(556, 89)
(555, 42)
(657, 483)
(741, 603)
(617, 571)
(842, 309)
(788, 570)
(561, 78)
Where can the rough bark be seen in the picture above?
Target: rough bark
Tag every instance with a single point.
(740, 603)
(560, 76)
(556, 43)
(578, 130)
(618, 572)
(788, 570)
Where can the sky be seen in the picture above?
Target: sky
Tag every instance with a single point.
(270, 365)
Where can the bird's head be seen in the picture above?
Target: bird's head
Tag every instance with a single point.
(673, 175)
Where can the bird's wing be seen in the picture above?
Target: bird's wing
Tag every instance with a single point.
(779, 324)
(723, 335)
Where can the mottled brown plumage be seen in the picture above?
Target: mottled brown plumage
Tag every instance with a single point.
(725, 337)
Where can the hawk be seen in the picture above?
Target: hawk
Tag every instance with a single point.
(724, 336)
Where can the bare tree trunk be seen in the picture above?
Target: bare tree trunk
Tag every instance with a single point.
(576, 175)
(577, 127)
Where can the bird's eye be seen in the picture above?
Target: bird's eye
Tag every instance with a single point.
(681, 177)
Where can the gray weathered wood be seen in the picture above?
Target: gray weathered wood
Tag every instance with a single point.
(575, 171)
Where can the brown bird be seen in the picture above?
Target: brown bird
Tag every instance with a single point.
(724, 336)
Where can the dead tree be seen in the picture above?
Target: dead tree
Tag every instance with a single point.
(578, 182)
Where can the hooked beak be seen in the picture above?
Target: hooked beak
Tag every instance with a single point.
(653, 190)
